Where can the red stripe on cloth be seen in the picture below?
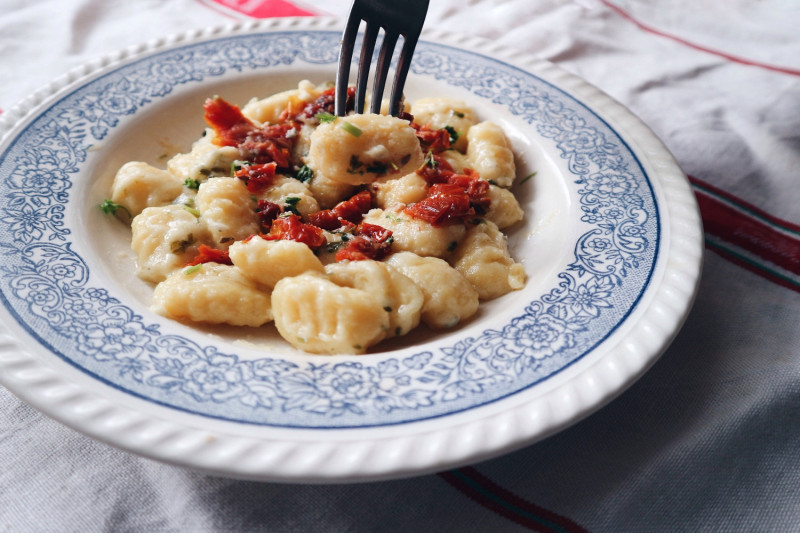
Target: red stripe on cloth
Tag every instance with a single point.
(748, 233)
(729, 57)
(264, 8)
(482, 490)
(753, 267)
(745, 205)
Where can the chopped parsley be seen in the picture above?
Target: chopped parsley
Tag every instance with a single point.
(453, 134)
(180, 246)
(188, 271)
(305, 174)
(192, 184)
(351, 128)
(191, 210)
(290, 204)
(529, 176)
(325, 117)
(459, 114)
(452, 246)
(110, 208)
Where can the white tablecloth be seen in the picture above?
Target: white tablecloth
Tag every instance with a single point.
(707, 440)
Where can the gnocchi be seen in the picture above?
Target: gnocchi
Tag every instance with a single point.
(339, 232)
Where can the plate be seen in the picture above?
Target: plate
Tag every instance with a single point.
(611, 242)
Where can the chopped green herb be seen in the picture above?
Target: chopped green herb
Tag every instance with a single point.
(398, 331)
(188, 271)
(430, 161)
(492, 182)
(387, 308)
(452, 246)
(351, 128)
(453, 133)
(236, 166)
(192, 184)
(459, 114)
(355, 166)
(325, 117)
(529, 176)
(290, 204)
(305, 174)
(191, 210)
(110, 208)
(180, 246)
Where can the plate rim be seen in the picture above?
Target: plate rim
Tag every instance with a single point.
(188, 444)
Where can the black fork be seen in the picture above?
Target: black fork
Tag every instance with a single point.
(396, 17)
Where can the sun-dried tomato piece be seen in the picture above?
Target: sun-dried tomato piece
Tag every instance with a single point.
(350, 210)
(292, 228)
(444, 204)
(257, 177)
(206, 254)
(267, 144)
(435, 140)
(325, 103)
(267, 212)
(230, 125)
(370, 242)
(435, 170)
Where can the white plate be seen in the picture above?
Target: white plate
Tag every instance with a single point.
(612, 245)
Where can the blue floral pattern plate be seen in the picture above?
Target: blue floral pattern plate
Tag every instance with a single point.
(611, 243)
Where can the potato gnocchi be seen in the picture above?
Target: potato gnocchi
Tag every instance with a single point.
(340, 231)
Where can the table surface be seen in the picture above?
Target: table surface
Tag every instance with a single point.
(706, 440)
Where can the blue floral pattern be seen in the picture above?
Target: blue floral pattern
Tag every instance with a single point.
(49, 289)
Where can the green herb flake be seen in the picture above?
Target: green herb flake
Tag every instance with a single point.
(351, 128)
(387, 308)
(453, 133)
(180, 246)
(325, 117)
(290, 204)
(305, 174)
(529, 176)
(110, 208)
(459, 114)
(452, 246)
(188, 271)
(191, 210)
(191, 184)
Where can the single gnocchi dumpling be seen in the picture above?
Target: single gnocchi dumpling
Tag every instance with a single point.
(414, 235)
(484, 260)
(316, 315)
(269, 110)
(489, 153)
(164, 239)
(214, 294)
(289, 191)
(399, 296)
(227, 209)
(206, 159)
(404, 190)
(138, 185)
(448, 297)
(359, 149)
(267, 262)
(504, 210)
(328, 192)
(438, 113)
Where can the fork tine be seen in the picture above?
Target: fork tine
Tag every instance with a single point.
(384, 60)
(367, 47)
(345, 56)
(403, 64)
